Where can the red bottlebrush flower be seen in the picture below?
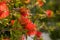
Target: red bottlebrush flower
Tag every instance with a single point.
(38, 34)
(24, 11)
(49, 13)
(24, 20)
(4, 11)
(31, 33)
(12, 22)
(40, 2)
(30, 27)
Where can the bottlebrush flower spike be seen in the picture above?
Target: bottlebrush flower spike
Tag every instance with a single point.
(12, 22)
(30, 27)
(4, 11)
(49, 13)
(24, 11)
(31, 33)
(40, 3)
(23, 20)
(38, 34)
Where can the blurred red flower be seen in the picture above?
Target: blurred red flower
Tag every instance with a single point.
(23, 20)
(31, 33)
(24, 11)
(38, 34)
(4, 11)
(40, 3)
(49, 13)
(12, 22)
(30, 27)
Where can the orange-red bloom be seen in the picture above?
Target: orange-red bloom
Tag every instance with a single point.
(24, 11)
(38, 34)
(4, 11)
(12, 22)
(49, 13)
(30, 27)
(40, 2)
(31, 33)
(23, 20)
